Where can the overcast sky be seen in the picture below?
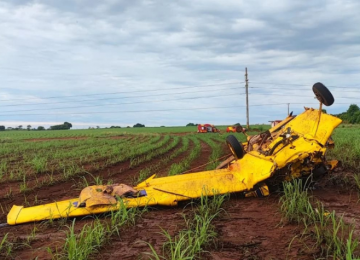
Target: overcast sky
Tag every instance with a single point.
(169, 63)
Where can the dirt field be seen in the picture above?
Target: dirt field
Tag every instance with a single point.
(248, 228)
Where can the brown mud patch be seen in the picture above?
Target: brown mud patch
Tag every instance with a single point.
(182, 134)
(119, 137)
(251, 229)
(345, 203)
(132, 243)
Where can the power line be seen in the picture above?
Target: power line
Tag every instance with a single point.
(141, 111)
(124, 92)
(162, 110)
(97, 99)
(156, 101)
(118, 104)
(279, 84)
(305, 85)
(275, 94)
(309, 89)
(291, 95)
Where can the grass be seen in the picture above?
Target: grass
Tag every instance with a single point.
(124, 216)
(184, 165)
(154, 168)
(153, 153)
(357, 181)
(92, 237)
(5, 246)
(189, 243)
(39, 164)
(331, 234)
(216, 152)
(347, 147)
(295, 203)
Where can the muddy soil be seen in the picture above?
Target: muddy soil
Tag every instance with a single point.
(252, 228)
(133, 242)
(344, 202)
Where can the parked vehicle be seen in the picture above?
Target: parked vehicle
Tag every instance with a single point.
(207, 128)
(235, 129)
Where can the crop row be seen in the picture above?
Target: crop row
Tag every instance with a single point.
(332, 235)
(184, 165)
(156, 167)
(190, 242)
(43, 161)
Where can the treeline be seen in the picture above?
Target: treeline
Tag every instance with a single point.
(20, 127)
(352, 115)
(64, 126)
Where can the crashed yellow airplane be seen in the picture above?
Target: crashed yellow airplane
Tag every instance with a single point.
(294, 148)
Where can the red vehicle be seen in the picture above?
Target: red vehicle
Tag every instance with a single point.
(234, 129)
(207, 128)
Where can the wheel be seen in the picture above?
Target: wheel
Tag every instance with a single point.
(236, 148)
(238, 129)
(323, 94)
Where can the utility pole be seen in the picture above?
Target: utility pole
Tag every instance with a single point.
(247, 98)
(288, 108)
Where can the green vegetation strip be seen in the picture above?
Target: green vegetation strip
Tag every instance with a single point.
(58, 170)
(332, 235)
(154, 168)
(347, 147)
(156, 151)
(216, 152)
(94, 236)
(49, 160)
(199, 233)
(177, 168)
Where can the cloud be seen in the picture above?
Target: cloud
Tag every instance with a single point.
(66, 49)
